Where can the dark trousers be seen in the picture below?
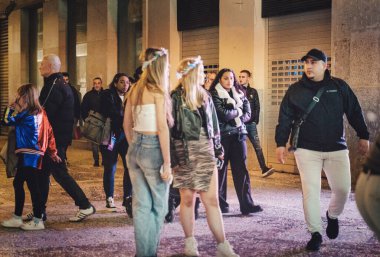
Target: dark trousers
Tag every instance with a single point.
(235, 152)
(255, 140)
(110, 162)
(63, 178)
(95, 151)
(32, 177)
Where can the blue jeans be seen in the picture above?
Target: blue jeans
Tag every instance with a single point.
(110, 162)
(150, 192)
(254, 138)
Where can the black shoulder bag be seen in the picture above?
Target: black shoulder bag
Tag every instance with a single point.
(297, 124)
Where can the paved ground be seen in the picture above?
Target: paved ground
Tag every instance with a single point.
(278, 231)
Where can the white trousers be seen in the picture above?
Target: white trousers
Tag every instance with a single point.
(336, 166)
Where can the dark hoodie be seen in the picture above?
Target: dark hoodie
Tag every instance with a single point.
(323, 129)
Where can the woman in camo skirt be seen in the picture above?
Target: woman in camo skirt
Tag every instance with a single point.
(195, 149)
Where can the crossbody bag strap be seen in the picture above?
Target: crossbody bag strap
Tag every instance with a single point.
(43, 105)
(313, 103)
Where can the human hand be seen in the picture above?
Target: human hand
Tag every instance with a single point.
(363, 146)
(221, 157)
(166, 173)
(281, 154)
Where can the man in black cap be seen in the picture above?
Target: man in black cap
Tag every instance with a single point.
(321, 141)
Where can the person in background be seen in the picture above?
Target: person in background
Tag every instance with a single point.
(112, 106)
(210, 77)
(321, 140)
(233, 109)
(58, 101)
(251, 124)
(34, 138)
(91, 102)
(148, 113)
(367, 190)
(195, 149)
(77, 98)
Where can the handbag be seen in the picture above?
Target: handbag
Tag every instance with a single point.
(297, 124)
(8, 154)
(97, 128)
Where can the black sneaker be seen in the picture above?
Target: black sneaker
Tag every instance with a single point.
(254, 209)
(127, 203)
(225, 209)
(267, 172)
(332, 230)
(315, 242)
(96, 163)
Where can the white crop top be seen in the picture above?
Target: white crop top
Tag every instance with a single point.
(144, 118)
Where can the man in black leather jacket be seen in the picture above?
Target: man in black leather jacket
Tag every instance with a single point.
(321, 143)
(58, 101)
(251, 124)
(91, 102)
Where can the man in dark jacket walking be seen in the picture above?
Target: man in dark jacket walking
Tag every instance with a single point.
(58, 101)
(91, 102)
(251, 125)
(321, 142)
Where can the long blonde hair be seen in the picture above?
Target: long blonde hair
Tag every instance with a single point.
(190, 72)
(154, 78)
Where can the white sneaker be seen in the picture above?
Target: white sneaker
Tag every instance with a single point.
(28, 217)
(35, 224)
(110, 204)
(82, 214)
(191, 247)
(14, 222)
(225, 250)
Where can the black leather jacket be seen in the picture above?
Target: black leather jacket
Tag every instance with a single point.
(227, 115)
(112, 107)
(253, 98)
(211, 123)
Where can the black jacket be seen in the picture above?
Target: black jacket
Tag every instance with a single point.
(254, 102)
(59, 107)
(212, 125)
(227, 115)
(91, 101)
(112, 107)
(76, 96)
(323, 129)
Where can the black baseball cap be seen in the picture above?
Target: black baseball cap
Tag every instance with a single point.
(316, 55)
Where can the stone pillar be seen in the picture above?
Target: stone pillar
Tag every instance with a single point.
(18, 51)
(355, 51)
(236, 35)
(55, 30)
(101, 40)
(160, 30)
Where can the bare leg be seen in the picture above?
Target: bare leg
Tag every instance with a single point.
(211, 203)
(186, 212)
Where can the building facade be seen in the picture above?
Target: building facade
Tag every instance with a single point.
(101, 37)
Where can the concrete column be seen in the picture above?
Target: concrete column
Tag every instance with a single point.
(18, 51)
(55, 30)
(160, 30)
(236, 35)
(355, 51)
(101, 40)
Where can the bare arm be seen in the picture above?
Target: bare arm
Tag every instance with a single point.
(128, 122)
(163, 134)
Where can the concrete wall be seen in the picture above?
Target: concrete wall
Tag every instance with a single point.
(160, 30)
(356, 52)
(18, 51)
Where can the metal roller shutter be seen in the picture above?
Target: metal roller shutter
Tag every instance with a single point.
(3, 68)
(203, 42)
(289, 38)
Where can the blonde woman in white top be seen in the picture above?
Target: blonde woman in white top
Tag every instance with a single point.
(146, 125)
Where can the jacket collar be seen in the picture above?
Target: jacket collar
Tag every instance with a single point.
(49, 80)
(312, 84)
